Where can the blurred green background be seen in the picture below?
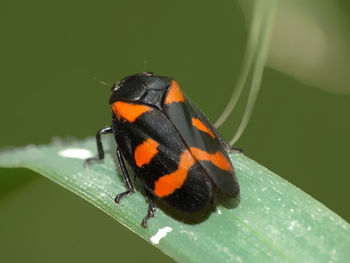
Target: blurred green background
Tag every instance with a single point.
(54, 55)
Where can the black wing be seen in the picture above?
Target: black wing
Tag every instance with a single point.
(204, 142)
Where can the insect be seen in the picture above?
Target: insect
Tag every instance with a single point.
(170, 145)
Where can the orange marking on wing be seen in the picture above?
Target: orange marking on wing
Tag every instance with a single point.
(145, 152)
(174, 93)
(167, 184)
(218, 158)
(200, 126)
(129, 111)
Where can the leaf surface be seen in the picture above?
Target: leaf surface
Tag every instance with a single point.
(273, 222)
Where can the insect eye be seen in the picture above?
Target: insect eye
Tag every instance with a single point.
(115, 87)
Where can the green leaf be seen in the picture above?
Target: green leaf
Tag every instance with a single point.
(274, 221)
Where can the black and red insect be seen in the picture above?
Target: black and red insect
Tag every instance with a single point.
(170, 145)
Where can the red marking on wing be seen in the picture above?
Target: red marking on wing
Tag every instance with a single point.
(200, 126)
(167, 184)
(145, 152)
(174, 93)
(129, 111)
(218, 158)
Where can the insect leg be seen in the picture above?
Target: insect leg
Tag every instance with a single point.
(101, 154)
(151, 208)
(240, 150)
(126, 176)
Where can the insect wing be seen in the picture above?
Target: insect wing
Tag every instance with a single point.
(160, 159)
(203, 140)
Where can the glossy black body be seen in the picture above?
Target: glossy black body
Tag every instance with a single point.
(170, 125)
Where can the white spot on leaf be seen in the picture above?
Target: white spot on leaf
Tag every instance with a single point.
(293, 224)
(76, 153)
(161, 233)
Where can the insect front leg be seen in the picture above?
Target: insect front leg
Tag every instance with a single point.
(126, 176)
(101, 154)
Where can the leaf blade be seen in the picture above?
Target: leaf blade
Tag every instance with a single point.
(274, 222)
